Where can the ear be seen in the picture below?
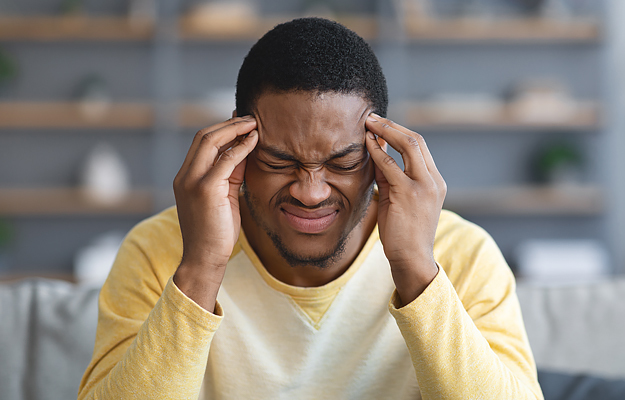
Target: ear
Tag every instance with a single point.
(234, 113)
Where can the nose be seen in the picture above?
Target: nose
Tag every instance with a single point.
(310, 187)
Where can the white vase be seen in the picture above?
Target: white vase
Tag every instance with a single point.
(105, 178)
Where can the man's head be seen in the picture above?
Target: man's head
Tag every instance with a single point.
(310, 83)
(311, 55)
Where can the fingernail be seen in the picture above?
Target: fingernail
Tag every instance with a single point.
(253, 133)
(248, 117)
(374, 117)
(370, 135)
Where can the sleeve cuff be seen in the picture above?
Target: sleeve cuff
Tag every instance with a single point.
(173, 295)
(429, 295)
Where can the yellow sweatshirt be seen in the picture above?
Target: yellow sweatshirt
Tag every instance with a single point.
(462, 338)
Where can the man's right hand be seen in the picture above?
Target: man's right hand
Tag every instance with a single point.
(206, 190)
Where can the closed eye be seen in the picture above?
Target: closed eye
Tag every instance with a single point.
(345, 167)
(272, 166)
(350, 165)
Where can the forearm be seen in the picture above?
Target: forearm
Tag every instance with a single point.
(166, 359)
(452, 357)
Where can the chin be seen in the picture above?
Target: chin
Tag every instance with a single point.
(304, 250)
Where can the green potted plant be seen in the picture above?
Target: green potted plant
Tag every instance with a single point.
(8, 69)
(6, 237)
(560, 162)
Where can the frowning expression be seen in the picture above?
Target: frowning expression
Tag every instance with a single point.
(309, 179)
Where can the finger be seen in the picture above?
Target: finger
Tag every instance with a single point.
(386, 164)
(425, 151)
(429, 160)
(198, 138)
(210, 144)
(231, 158)
(236, 179)
(407, 145)
(427, 156)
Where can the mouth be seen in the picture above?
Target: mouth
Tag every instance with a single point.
(306, 221)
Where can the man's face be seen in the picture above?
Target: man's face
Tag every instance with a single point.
(308, 182)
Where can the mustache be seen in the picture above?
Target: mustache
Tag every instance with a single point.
(330, 201)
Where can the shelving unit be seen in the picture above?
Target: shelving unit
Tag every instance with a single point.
(512, 199)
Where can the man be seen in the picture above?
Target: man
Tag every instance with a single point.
(272, 276)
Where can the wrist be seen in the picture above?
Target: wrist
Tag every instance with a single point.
(411, 279)
(200, 282)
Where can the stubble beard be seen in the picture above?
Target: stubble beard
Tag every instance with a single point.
(320, 261)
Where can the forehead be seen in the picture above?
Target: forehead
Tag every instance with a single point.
(310, 125)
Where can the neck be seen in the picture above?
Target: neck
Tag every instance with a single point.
(306, 276)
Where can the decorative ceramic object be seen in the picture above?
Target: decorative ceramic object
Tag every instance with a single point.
(416, 10)
(93, 262)
(560, 261)
(223, 17)
(555, 9)
(142, 11)
(541, 101)
(94, 98)
(105, 179)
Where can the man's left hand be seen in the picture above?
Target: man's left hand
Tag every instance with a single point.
(409, 207)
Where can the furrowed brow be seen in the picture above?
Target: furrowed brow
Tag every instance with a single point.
(277, 153)
(282, 155)
(352, 148)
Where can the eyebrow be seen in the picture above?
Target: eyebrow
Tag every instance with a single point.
(282, 155)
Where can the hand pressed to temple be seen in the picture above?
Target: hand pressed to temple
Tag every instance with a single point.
(206, 189)
(409, 207)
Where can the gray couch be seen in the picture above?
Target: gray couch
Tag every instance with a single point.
(46, 338)
(48, 329)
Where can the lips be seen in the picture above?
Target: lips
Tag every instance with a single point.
(309, 221)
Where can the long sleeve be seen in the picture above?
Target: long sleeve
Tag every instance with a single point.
(152, 341)
(465, 332)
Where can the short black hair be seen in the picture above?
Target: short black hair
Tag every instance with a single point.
(315, 55)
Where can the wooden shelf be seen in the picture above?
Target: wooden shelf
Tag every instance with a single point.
(8, 278)
(464, 30)
(119, 115)
(68, 202)
(521, 30)
(193, 115)
(193, 28)
(47, 28)
(527, 201)
(73, 115)
(587, 116)
(196, 115)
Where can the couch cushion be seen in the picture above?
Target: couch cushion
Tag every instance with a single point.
(46, 338)
(557, 386)
(577, 328)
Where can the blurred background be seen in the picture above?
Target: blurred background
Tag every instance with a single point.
(520, 101)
